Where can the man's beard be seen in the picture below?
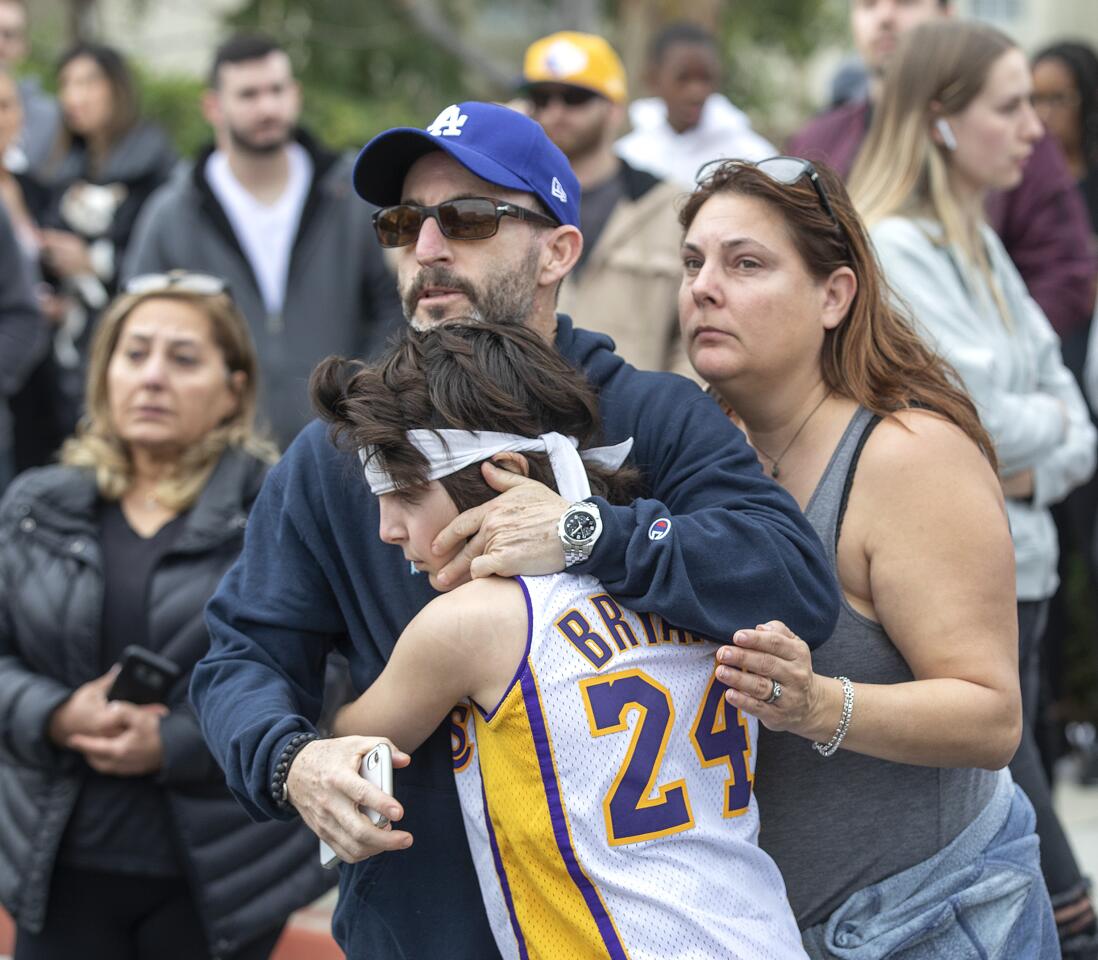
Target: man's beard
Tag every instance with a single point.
(583, 143)
(506, 298)
(245, 144)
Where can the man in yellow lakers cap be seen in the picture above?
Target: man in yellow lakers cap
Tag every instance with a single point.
(626, 282)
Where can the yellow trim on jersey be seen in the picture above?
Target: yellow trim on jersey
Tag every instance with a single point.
(552, 913)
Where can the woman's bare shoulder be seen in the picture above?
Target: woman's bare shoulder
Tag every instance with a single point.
(921, 440)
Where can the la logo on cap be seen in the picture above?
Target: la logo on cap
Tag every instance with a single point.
(448, 123)
(558, 191)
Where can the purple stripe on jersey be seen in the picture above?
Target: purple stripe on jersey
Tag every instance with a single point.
(521, 669)
(502, 874)
(560, 827)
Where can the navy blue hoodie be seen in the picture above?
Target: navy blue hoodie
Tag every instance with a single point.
(314, 574)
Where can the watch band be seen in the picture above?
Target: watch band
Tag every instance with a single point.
(573, 556)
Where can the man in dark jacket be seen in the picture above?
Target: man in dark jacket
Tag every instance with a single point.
(626, 283)
(1042, 222)
(716, 544)
(270, 210)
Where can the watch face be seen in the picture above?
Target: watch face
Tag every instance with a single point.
(580, 526)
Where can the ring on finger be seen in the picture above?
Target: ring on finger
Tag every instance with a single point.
(775, 692)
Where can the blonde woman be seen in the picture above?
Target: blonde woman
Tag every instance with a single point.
(118, 836)
(955, 121)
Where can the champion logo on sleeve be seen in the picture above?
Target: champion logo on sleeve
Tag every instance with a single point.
(659, 529)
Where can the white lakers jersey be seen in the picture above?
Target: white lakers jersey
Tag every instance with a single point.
(608, 797)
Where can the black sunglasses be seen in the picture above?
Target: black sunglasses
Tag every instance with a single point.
(468, 218)
(204, 284)
(541, 97)
(786, 170)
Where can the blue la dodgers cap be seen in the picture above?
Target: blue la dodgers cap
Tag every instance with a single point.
(496, 143)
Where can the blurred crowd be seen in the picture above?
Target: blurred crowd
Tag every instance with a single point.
(160, 318)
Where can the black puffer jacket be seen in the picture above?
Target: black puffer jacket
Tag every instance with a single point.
(247, 876)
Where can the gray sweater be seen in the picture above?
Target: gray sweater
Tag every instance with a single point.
(340, 296)
(1027, 399)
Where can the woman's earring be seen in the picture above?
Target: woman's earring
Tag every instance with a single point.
(945, 131)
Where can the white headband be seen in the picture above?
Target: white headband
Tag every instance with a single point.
(448, 451)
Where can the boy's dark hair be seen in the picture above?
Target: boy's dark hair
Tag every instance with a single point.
(241, 48)
(681, 31)
(464, 376)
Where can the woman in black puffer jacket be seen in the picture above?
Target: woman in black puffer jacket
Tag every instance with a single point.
(118, 836)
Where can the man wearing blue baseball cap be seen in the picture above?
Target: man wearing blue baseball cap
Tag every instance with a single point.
(482, 211)
(501, 182)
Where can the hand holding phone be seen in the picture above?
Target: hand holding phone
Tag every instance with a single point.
(144, 677)
(377, 768)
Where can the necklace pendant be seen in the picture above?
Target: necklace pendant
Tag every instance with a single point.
(774, 471)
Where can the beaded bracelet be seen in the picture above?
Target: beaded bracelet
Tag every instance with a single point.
(826, 749)
(293, 747)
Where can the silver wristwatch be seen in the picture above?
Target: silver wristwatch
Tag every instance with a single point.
(579, 529)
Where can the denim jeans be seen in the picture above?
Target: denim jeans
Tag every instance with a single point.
(982, 897)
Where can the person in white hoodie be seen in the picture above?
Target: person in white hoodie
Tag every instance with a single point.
(687, 123)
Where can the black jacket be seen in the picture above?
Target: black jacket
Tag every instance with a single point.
(247, 877)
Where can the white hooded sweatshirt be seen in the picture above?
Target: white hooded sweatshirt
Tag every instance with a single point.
(724, 131)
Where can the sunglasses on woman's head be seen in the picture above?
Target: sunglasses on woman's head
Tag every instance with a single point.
(785, 170)
(468, 218)
(204, 284)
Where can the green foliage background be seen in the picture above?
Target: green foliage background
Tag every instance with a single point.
(366, 66)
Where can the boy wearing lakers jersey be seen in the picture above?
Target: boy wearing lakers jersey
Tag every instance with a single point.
(606, 785)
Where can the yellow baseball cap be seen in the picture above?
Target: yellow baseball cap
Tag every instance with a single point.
(577, 59)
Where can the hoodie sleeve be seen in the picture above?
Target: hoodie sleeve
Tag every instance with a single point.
(717, 546)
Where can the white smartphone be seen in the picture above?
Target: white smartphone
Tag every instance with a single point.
(377, 767)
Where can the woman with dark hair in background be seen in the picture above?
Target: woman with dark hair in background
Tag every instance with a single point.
(1065, 95)
(104, 166)
(118, 836)
(954, 123)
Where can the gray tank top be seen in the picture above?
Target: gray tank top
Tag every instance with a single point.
(835, 825)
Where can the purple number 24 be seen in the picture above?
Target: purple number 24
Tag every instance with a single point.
(631, 810)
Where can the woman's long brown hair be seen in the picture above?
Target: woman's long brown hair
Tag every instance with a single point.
(874, 357)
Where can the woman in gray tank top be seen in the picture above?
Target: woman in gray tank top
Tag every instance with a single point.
(880, 776)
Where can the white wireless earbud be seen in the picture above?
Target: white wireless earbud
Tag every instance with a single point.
(945, 131)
